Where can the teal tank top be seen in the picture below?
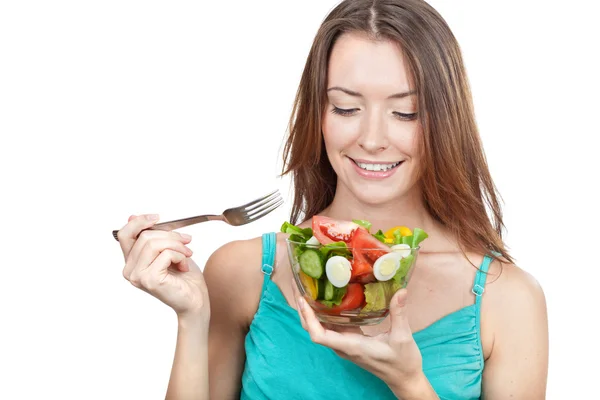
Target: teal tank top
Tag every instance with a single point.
(283, 363)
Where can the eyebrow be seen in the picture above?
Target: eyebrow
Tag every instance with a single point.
(356, 94)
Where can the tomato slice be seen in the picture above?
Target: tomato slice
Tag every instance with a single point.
(366, 245)
(328, 230)
(360, 266)
(354, 298)
(366, 278)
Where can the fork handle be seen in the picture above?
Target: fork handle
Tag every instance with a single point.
(179, 223)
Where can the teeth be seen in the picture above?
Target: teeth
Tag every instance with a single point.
(377, 167)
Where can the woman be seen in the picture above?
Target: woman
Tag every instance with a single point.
(383, 130)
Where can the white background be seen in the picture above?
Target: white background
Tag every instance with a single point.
(111, 108)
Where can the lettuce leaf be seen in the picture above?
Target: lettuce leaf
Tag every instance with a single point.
(379, 294)
(335, 249)
(379, 236)
(405, 264)
(363, 223)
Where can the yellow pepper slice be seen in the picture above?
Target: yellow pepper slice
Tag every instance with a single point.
(309, 285)
(404, 231)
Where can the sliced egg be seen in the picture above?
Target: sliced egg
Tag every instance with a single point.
(386, 266)
(338, 270)
(403, 249)
(313, 241)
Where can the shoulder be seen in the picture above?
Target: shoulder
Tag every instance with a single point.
(234, 279)
(513, 286)
(514, 302)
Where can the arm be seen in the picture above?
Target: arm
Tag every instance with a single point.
(517, 367)
(209, 356)
(189, 374)
(420, 389)
(234, 285)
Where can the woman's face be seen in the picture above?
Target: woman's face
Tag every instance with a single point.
(370, 124)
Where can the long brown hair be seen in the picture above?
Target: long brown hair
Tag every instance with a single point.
(457, 188)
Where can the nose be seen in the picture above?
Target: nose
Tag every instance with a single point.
(373, 136)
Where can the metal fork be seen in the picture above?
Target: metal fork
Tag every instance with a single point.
(233, 216)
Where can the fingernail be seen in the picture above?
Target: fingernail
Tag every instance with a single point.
(185, 236)
(301, 303)
(152, 217)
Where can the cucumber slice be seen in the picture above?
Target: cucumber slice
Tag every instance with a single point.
(320, 289)
(329, 290)
(311, 263)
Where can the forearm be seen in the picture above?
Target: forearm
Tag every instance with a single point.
(419, 388)
(189, 375)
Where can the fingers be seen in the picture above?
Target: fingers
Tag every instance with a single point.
(128, 234)
(400, 329)
(345, 342)
(150, 278)
(154, 247)
(150, 244)
(156, 274)
(150, 235)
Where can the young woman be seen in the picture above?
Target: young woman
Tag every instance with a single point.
(383, 130)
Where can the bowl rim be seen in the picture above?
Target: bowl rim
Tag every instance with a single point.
(314, 246)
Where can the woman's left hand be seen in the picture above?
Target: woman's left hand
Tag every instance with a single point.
(392, 356)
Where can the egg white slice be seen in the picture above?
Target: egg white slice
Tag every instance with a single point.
(403, 249)
(385, 267)
(338, 271)
(313, 241)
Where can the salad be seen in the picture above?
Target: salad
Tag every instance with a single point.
(343, 266)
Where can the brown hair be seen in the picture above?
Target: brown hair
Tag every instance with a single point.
(457, 188)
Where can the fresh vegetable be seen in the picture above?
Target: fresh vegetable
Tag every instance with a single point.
(300, 233)
(360, 266)
(294, 237)
(333, 249)
(342, 266)
(363, 223)
(364, 243)
(328, 230)
(309, 285)
(385, 267)
(403, 230)
(338, 272)
(379, 294)
(405, 264)
(353, 298)
(311, 263)
(394, 235)
(418, 236)
(337, 295)
(365, 278)
(320, 284)
(380, 236)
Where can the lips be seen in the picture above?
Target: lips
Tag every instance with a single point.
(375, 169)
(377, 166)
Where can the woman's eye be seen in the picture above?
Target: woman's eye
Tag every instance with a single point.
(343, 111)
(405, 117)
(351, 111)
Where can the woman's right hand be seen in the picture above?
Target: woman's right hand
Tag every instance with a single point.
(157, 262)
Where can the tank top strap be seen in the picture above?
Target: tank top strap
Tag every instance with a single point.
(269, 246)
(480, 278)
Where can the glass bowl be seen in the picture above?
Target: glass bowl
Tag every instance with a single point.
(359, 297)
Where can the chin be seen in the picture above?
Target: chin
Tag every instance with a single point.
(378, 194)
